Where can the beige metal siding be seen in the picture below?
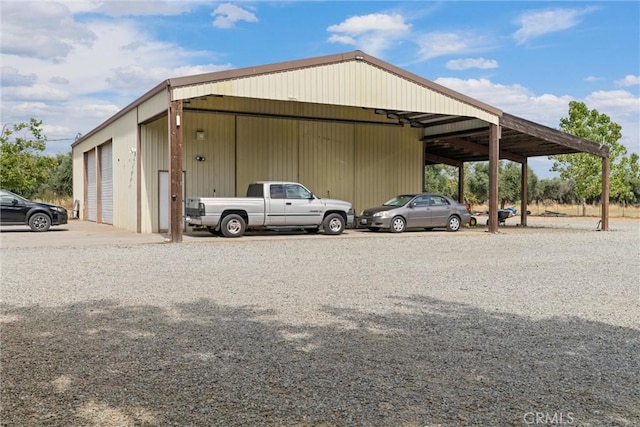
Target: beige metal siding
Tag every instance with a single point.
(216, 174)
(353, 83)
(154, 158)
(153, 107)
(124, 142)
(287, 109)
(267, 149)
(327, 159)
(387, 162)
(123, 135)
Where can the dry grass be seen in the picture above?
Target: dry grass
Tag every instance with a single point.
(615, 210)
(64, 201)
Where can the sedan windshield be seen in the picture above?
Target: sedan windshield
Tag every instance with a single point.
(400, 200)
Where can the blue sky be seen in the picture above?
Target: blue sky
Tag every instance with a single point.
(73, 64)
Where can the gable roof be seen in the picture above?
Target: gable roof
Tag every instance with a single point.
(456, 126)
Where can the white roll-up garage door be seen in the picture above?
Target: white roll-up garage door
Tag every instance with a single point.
(106, 183)
(92, 187)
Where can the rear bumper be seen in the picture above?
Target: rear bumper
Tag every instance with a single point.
(190, 220)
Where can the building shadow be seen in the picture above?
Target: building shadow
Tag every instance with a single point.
(430, 362)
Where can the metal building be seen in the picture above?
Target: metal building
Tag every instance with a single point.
(348, 126)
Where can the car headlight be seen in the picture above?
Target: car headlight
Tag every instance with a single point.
(383, 214)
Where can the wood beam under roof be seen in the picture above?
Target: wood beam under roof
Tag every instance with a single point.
(483, 149)
(442, 160)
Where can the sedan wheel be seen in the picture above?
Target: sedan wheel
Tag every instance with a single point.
(39, 222)
(453, 224)
(398, 225)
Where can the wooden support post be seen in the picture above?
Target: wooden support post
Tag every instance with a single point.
(494, 150)
(524, 195)
(175, 170)
(461, 183)
(605, 194)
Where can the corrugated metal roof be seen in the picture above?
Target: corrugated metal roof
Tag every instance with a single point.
(353, 79)
(361, 80)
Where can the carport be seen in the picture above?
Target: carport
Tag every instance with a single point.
(454, 140)
(449, 138)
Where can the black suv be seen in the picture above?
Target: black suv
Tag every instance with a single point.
(16, 210)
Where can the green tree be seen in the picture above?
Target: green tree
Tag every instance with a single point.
(477, 181)
(557, 190)
(585, 170)
(627, 179)
(22, 168)
(509, 182)
(61, 179)
(441, 179)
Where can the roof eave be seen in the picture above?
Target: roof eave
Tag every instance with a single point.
(160, 87)
(553, 135)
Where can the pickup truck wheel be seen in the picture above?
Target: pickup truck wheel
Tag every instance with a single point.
(39, 222)
(333, 224)
(232, 226)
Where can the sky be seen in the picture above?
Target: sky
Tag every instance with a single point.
(73, 64)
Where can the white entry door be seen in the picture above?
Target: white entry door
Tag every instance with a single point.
(163, 200)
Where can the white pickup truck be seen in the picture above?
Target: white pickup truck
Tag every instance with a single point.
(269, 205)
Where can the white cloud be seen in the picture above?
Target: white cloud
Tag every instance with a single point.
(373, 33)
(57, 80)
(466, 63)
(92, 81)
(37, 92)
(628, 80)
(226, 15)
(592, 79)
(342, 39)
(12, 77)
(537, 23)
(432, 45)
(357, 25)
(45, 30)
(30, 107)
(619, 102)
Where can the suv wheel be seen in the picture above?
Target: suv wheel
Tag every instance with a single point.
(39, 222)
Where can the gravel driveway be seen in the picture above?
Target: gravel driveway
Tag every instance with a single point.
(524, 327)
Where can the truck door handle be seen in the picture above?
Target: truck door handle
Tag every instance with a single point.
(288, 203)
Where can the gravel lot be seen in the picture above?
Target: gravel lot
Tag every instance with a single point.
(530, 326)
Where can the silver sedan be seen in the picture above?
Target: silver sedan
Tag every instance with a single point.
(423, 210)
